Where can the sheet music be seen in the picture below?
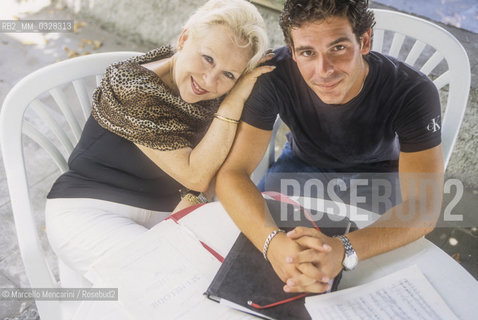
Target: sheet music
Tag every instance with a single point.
(164, 273)
(405, 294)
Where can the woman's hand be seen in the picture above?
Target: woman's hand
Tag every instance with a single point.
(243, 87)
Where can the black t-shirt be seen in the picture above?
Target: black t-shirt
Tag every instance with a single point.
(398, 109)
(106, 166)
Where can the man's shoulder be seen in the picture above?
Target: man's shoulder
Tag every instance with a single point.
(286, 72)
(400, 78)
(391, 66)
(283, 62)
(282, 76)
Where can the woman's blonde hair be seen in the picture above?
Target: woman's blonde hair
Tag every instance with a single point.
(241, 17)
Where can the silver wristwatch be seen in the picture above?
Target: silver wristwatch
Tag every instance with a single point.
(350, 258)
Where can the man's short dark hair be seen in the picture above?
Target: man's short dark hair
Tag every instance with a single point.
(298, 12)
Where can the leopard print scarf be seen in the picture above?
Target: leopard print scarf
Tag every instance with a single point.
(135, 104)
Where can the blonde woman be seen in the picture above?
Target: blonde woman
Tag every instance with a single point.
(161, 124)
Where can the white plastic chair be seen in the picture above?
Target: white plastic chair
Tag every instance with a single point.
(425, 46)
(425, 36)
(29, 94)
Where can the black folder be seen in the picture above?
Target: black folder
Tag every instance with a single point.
(246, 276)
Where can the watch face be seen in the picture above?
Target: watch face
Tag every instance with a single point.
(350, 261)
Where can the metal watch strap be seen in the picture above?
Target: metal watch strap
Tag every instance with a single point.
(202, 198)
(350, 257)
(347, 245)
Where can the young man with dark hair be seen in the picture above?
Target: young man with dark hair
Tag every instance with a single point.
(349, 110)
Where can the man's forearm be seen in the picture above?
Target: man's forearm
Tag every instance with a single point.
(399, 226)
(245, 205)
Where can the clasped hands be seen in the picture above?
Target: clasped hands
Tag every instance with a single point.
(306, 259)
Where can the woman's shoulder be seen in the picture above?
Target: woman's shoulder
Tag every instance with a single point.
(130, 73)
(152, 55)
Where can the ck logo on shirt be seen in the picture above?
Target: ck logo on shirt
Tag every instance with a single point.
(434, 125)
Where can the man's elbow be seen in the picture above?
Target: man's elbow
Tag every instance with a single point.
(427, 230)
(222, 172)
(221, 178)
(226, 175)
(428, 216)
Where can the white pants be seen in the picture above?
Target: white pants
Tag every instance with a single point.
(81, 231)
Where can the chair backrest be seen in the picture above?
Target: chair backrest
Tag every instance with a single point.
(430, 49)
(68, 84)
(435, 52)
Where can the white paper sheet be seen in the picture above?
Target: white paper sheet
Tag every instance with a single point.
(405, 294)
(212, 225)
(163, 274)
(101, 310)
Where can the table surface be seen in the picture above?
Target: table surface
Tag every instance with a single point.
(454, 284)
